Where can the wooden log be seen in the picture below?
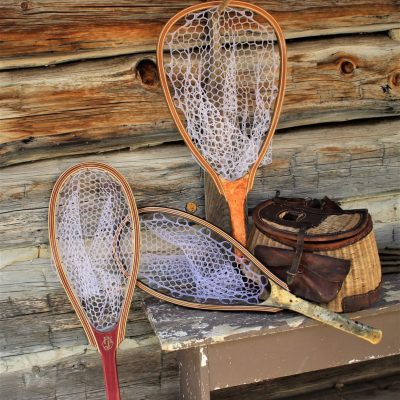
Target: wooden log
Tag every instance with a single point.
(103, 105)
(339, 161)
(74, 30)
(159, 176)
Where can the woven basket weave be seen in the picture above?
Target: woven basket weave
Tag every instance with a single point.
(360, 288)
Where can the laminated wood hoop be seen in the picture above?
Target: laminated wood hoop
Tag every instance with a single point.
(235, 191)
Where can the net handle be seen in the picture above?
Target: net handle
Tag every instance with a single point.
(120, 179)
(278, 102)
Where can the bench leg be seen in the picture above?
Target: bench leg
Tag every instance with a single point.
(194, 374)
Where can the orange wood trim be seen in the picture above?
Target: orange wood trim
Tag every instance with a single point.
(171, 106)
(236, 194)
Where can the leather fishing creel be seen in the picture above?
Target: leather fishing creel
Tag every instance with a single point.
(318, 235)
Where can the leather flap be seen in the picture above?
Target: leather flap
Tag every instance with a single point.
(319, 278)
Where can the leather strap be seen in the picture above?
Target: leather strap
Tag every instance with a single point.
(294, 269)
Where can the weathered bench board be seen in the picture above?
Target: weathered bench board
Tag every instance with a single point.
(220, 350)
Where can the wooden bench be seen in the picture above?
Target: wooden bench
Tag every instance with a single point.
(217, 350)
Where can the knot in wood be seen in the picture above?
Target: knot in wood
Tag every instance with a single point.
(24, 5)
(395, 78)
(347, 67)
(81, 367)
(146, 70)
(36, 370)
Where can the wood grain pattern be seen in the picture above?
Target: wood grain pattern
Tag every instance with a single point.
(103, 105)
(363, 381)
(77, 78)
(349, 160)
(44, 32)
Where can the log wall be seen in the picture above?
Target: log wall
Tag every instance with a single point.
(78, 82)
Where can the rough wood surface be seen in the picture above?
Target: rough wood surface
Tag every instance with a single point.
(341, 383)
(78, 78)
(197, 329)
(54, 360)
(341, 162)
(45, 32)
(96, 106)
(79, 377)
(44, 352)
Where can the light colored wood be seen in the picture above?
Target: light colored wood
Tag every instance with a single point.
(103, 105)
(358, 163)
(395, 34)
(45, 32)
(77, 376)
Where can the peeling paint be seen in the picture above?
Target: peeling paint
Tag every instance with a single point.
(221, 332)
(204, 359)
(295, 321)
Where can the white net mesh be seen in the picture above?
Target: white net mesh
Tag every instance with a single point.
(187, 261)
(223, 71)
(94, 238)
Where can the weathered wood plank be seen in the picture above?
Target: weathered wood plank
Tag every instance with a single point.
(179, 328)
(36, 315)
(338, 161)
(71, 369)
(45, 32)
(160, 176)
(334, 382)
(97, 106)
(79, 376)
(44, 352)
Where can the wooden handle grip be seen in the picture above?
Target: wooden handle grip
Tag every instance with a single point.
(107, 344)
(236, 195)
(282, 298)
